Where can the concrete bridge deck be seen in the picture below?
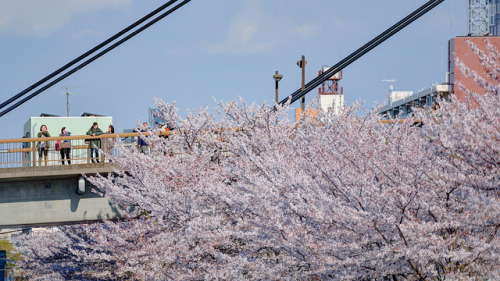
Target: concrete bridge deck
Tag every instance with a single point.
(38, 196)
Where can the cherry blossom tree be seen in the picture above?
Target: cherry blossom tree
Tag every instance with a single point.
(240, 192)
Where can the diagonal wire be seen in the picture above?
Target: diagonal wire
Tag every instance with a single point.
(93, 50)
(362, 50)
(66, 66)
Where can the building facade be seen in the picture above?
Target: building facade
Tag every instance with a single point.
(494, 17)
(461, 48)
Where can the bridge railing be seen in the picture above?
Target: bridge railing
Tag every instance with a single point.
(27, 152)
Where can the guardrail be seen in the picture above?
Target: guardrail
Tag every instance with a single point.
(27, 152)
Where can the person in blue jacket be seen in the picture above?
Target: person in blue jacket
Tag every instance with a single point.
(141, 142)
(65, 146)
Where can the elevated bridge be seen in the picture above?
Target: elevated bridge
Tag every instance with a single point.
(39, 193)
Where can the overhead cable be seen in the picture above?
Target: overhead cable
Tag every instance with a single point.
(362, 50)
(85, 63)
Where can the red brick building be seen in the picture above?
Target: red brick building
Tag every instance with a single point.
(459, 48)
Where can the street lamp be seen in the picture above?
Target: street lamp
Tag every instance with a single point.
(302, 64)
(277, 77)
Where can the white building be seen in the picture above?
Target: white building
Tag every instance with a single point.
(76, 125)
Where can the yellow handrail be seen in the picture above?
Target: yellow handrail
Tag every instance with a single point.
(80, 137)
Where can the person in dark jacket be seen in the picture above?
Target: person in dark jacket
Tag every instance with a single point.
(43, 146)
(94, 144)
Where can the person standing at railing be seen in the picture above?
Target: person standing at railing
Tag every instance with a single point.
(108, 143)
(141, 142)
(94, 144)
(65, 146)
(435, 108)
(43, 146)
(164, 135)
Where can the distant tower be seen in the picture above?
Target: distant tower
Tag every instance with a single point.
(330, 94)
(478, 18)
(484, 17)
(391, 89)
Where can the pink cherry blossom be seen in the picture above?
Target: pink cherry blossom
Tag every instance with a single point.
(240, 192)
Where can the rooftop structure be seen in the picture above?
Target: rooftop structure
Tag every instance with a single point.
(400, 103)
(331, 95)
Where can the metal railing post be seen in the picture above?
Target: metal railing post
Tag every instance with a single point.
(34, 153)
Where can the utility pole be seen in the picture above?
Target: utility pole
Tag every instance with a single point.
(67, 102)
(302, 64)
(67, 93)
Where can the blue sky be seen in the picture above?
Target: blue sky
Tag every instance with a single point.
(219, 48)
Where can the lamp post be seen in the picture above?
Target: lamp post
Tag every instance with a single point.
(302, 64)
(277, 77)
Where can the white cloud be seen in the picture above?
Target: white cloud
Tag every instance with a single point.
(245, 36)
(242, 32)
(42, 17)
(256, 30)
